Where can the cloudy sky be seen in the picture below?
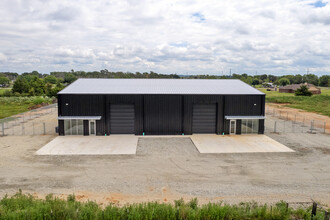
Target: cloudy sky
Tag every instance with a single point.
(184, 37)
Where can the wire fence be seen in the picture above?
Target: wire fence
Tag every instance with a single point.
(283, 121)
(41, 121)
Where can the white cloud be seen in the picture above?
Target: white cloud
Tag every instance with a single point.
(208, 36)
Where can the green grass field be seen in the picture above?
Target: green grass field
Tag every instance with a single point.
(15, 105)
(22, 206)
(2, 90)
(316, 103)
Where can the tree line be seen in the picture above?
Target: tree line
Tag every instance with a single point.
(35, 83)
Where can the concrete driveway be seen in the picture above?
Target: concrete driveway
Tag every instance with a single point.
(210, 143)
(91, 145)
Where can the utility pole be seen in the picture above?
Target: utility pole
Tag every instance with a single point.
(230, 72)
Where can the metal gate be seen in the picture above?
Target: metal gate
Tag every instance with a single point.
(122, 119)
(204, 118)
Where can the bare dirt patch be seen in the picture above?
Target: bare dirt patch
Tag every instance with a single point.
(298, 114)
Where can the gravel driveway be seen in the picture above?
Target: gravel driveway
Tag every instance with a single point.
(165, 169)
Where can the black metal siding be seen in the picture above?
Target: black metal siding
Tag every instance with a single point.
(160, 114)
(244, 105)
(84, 105)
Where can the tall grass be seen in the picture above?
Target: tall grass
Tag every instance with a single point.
(15, 105)
(21, 206)
(315, 103)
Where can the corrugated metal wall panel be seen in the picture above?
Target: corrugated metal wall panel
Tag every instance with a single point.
(243, 105)
(162, 114)
(175, 110)
(84, 105)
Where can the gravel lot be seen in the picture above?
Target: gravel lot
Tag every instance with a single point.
(165, 169)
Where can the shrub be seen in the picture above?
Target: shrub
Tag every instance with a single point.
(303, 91)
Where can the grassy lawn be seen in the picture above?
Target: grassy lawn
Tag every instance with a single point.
(26, 207)
(316, 103)
(15, 105)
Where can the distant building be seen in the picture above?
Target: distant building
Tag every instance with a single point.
(292, 88)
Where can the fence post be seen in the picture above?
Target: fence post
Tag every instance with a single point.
(44, 128)
(3, 129)
(324, 126)
(312, 125)
(275, 127)
(23, 129)
(293, 127)
(314, 209)
(283, 126)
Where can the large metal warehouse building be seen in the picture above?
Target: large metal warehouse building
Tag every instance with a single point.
(160, 107)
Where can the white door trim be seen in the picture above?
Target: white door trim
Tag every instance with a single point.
(234, 127)
(89, 127)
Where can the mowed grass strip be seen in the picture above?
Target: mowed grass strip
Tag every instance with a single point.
(21, 206)
(315, 103)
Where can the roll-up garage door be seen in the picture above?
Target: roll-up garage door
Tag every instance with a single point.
(122, 118)
(204, 118)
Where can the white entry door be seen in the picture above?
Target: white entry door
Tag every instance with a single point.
(92, 127)
(232, 127)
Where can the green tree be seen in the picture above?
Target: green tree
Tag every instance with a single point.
(50, 79)
(38, 85)
(69, 78)
(324, 80)
(4, 81)
(21, 85)
(303, 91)
(298, 79)
(53, 92)
(255, 82)
(311, 78)
(283, 81)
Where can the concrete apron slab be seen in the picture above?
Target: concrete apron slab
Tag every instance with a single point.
(237, 144)
(91, 145)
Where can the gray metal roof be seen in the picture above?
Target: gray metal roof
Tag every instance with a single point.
(161, 86)
(244, 117)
